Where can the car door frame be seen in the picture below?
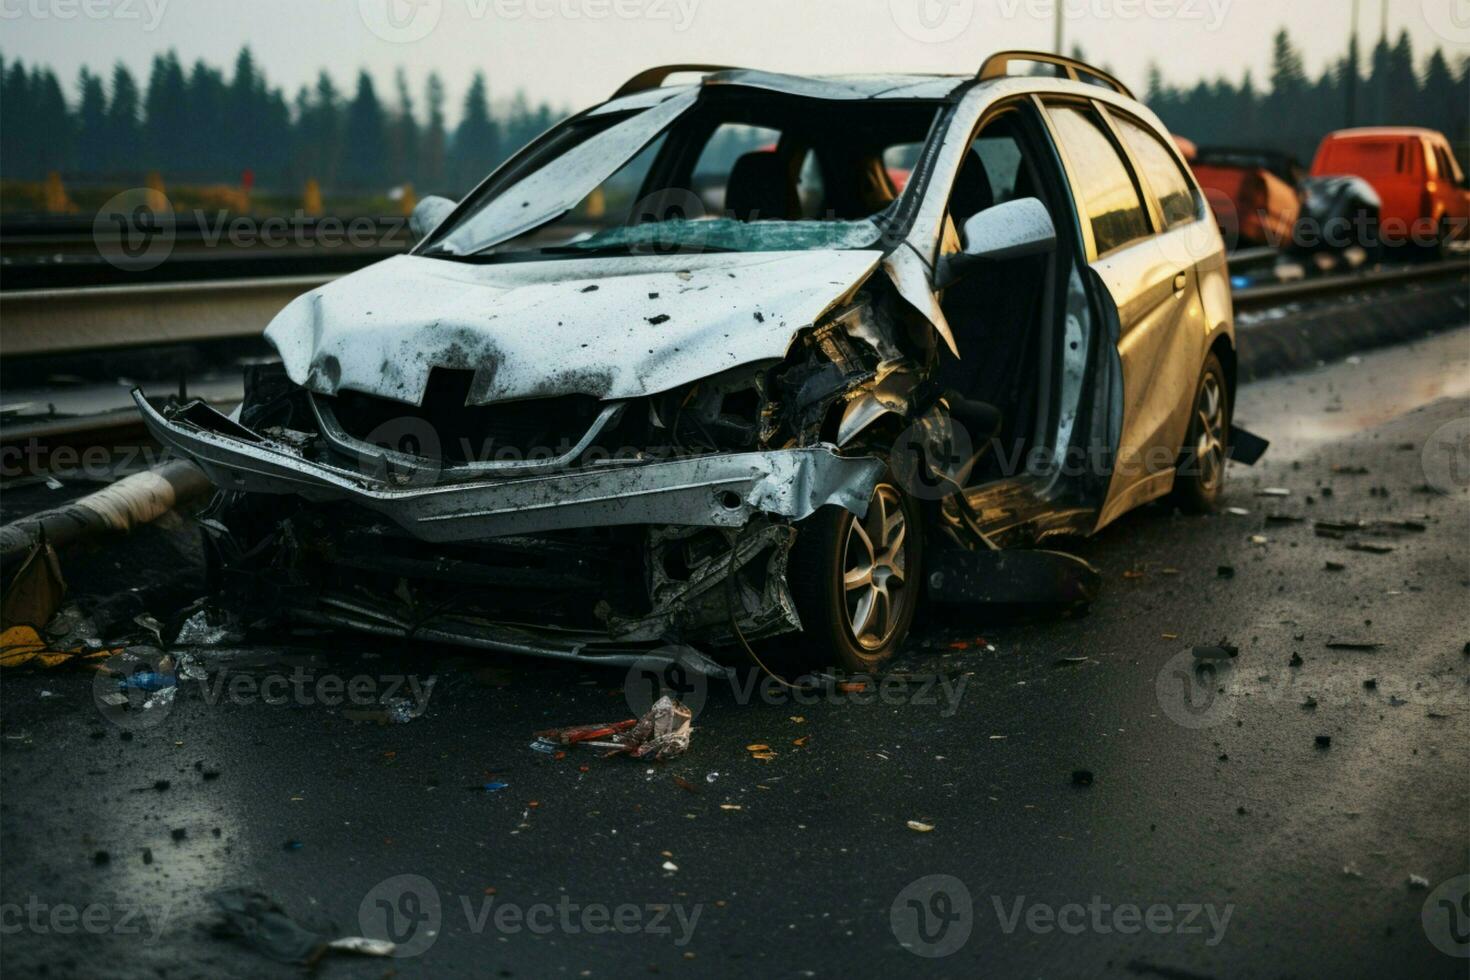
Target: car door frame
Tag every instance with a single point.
(1070, 478)
(1154, 424)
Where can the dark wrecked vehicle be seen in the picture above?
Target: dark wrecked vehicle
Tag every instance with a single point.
(690, 369)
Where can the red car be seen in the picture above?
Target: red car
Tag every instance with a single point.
(1426, 198)
(1253, 193)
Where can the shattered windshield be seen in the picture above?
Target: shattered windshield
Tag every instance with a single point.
(729, 235)
(713, 169)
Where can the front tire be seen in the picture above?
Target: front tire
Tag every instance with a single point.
(1200, 479)
(857, 581)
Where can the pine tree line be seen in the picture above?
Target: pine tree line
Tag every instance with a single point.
(1293, 111)
(200, 125)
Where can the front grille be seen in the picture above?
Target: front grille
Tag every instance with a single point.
(446, 430)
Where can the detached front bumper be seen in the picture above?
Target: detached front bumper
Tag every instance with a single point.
(716, 490)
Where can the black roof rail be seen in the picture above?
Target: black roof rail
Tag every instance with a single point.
(654, 77)
(998, 66)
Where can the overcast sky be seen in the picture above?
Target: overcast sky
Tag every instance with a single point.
(576, 52)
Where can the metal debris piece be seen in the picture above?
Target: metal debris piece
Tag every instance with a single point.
(662, 733)
(198, 631)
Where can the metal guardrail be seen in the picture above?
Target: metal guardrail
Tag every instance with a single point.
(60, 321)
(1277, 294)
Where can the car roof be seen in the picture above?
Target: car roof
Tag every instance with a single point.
(875, 87)
(836, 87)
(1379, 132)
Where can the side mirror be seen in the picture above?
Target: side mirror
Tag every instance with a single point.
(1012, 230)
(428, 214)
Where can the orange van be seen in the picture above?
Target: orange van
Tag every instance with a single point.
(1426, 199)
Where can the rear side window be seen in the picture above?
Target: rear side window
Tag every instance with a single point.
(1176, 196)
(1103, 181)
(1448, 170)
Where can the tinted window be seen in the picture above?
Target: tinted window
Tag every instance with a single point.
(1176, 199)
(1448, 169)
(1102, 179)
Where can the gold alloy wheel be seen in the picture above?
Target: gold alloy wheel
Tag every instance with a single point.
(873, 570)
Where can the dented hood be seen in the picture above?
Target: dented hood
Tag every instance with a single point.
(609, 327)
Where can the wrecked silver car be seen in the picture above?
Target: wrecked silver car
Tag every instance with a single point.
(718, 362)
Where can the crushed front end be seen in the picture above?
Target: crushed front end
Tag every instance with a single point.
(565, 526)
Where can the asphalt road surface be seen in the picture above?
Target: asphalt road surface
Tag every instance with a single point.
(1100, 805)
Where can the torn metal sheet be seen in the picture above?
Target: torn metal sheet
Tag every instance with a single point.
(718, 490)
(911, 277)
(715, 593)
(552, 644)
(554, 189)
(540, 329)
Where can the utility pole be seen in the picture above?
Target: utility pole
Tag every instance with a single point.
(1382, 85)
(1350, 71)
(1061, 13)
